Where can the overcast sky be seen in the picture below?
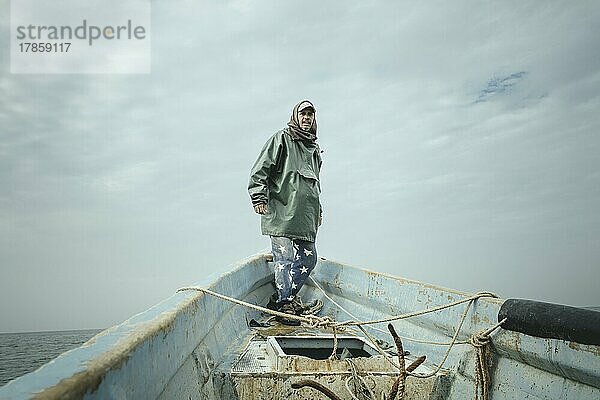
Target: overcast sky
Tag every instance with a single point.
(461, 148)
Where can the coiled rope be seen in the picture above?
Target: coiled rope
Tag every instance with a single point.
(481, 343)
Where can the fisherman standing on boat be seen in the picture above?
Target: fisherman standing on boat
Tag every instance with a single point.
(284, 188)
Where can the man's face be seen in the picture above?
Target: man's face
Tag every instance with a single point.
(306, 118)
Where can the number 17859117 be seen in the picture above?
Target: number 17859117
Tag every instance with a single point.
(42, 47)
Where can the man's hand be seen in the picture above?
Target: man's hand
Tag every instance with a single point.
(260, 209)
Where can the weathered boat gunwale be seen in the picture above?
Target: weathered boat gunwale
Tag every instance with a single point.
(88, 370)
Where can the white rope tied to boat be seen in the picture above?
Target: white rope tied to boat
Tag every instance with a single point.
(420, 312)
(377, 329)
(326, 322)
(361, 390)
(312, 320)
(333, 355)
(477, 340)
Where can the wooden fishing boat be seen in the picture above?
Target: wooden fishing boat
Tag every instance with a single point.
(195, 345)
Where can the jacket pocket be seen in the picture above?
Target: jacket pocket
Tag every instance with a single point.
(310, 175)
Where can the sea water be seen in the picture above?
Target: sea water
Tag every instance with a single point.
(21, 353)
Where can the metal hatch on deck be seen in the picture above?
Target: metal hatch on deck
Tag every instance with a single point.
(289, 354)
(320, 347)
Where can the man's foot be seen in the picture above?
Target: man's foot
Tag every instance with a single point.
(272, 304)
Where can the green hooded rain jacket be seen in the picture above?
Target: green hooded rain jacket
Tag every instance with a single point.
(286, 178)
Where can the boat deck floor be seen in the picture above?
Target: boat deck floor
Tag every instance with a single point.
(261, 369)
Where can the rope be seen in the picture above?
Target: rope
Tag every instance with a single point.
(446, 354)
(377, 329)
(362, 389)
(480, 341)
(450, 345)
(421, 312)
(333, 355)
(347, 384)
(312, 320)
(460, 324)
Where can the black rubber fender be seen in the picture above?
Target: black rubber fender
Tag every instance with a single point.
(546, 320)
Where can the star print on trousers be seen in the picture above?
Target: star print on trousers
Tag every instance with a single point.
(294, 260)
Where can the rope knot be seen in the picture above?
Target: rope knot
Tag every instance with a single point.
(480, 339)
(319, 322)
